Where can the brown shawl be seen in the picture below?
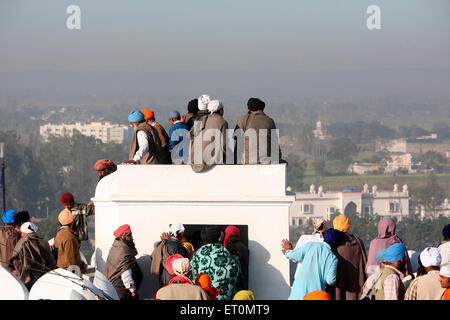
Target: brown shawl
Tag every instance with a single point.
(121, 257)
(351, 274)
(31, 259)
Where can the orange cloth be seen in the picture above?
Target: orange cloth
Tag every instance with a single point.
(148, 114)
(446, 295)
(341, 223)
(204, 281)
(317, 295)
(65, 217)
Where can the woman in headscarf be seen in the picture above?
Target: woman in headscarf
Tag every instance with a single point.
(386, 237)
(215, 260)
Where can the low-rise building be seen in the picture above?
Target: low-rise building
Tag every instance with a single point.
(320, 203)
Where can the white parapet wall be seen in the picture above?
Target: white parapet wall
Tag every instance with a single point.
(150, 197)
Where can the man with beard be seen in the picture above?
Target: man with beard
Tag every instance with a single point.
(121, 267)
(391, 285)
(32, 257)
(103, 167)
(5, 232)
(80, 212)
(20, 218)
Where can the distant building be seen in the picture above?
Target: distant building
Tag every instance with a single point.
(417, 145)
(321, 131)
(362, 168)
(404, 162)
(318, 203)
(106, 132)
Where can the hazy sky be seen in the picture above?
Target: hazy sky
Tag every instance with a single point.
(178, 35)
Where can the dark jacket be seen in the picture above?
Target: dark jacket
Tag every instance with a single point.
(237, 248)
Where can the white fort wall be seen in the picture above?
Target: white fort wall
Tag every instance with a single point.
(150, 197)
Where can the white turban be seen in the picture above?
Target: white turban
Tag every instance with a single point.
(214, 106)
(203, 101)
(181, 266)
(28, 227)
(176, 228)
(430, 257)
(445, 270)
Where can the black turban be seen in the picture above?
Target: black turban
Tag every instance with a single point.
(210, 234)
(254, 104)
(193, 106)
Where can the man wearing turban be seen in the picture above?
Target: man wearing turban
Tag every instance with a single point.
(352, 259)
(32, 257)
(67, 244)
(103, 167)
(444, 248)
(159, 136)
(427, 287)
(320, 226)
(80, 212)
(391, 285)
(444, 279)
(252, 122)
(319, 264)
(5, 232)
(143, 146)
(212, 133)
(121, 267)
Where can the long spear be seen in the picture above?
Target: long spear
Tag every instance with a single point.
(2, 181)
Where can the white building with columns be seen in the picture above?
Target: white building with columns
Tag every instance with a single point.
(321, 203)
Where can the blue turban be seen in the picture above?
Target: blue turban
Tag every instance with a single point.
(379, 256)
(446, 231)
(332, 236)
(136, 116)
(174, 114)
(394, 253)
(8, 216)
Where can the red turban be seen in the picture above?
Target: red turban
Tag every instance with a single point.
(67, 198)
(230, 231)
(122, 229)
(103, 164)
(169, 263)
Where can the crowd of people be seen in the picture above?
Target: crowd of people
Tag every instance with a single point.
(29, 256)
(333, 265)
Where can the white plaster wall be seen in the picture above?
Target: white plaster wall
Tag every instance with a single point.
(150, 197)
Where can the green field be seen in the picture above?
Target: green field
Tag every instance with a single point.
(383, 182)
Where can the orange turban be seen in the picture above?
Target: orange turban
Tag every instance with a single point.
(65, 217)
(446, 295)
(148, 114)
(341, 223)
(317, 295)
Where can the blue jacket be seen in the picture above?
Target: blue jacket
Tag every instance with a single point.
(176, 138)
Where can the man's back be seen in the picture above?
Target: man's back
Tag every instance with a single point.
(444, 249)
(426, 287)
(67, 245)
(80, 212)
(181, 291)
(255, 122)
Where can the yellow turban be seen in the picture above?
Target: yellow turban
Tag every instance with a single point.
(244, 295)
(65, 217)
(341, 223)
(190, 248)
(317, 295)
